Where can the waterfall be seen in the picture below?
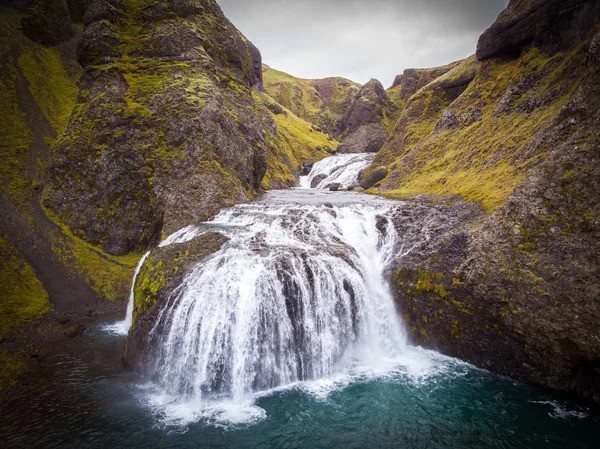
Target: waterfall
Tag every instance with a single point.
(298, 293)
(343, 169)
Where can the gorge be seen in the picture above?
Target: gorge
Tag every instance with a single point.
(300, 263)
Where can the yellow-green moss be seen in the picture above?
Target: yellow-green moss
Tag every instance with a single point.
(11, 367)
(296, 143)
(51, 82)
(110, 276)
(480, 161)
(302, 98)
(150, 281)
(53, 89)
(22, 295)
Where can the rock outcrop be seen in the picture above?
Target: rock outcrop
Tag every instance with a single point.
(321, 102)
(411, 80)
(549, 25)
(515, 291)
(362, 125)
(164, 122)
(48, 22)
(162, 272)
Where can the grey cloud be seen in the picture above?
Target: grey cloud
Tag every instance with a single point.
(361, 39)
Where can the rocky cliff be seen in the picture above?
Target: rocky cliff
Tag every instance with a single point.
(516, 130)
(367, 119)
(411, 80)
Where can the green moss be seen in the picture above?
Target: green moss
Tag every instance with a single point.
(302, 98)
(427, 283)
(53, 89)
(110, 276)
(150, 281)
(11, 367)
(51, 82)
(295, 143)
(480, 160)
(23, 297)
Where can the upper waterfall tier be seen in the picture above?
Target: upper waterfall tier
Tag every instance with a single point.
(343, 169)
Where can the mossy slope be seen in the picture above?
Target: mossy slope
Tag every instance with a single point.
(321, 102)
(38, 91)
(165, 122)
(291, 143)
(516, 292)
(162, 272)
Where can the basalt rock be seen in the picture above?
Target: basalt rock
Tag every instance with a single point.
(168, 127)
(514, 291)
(48, 22)
(549, 24)
(411, 80)
(366, 139)
(374, 177)
(162, 272)
(361, 126)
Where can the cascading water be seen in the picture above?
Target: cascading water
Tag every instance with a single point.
(343, 169)
(298, 293)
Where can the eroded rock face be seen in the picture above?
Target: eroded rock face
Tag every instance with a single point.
(519, 292)
(368, 138)
(411, 80)
(162, 272)
(361, 126)
(549, 24)
(165, 131)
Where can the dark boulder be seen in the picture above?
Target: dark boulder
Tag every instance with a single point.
(317, 180)
(374, 177)
(307, 167)
(334, 187)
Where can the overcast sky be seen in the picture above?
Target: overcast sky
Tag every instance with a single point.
(361, 39)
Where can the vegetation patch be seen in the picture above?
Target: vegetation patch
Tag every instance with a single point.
(23, 297)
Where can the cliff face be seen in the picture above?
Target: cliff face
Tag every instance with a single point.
(366, 121)
(359, 116)
(411, 80)
(161, 124)
(515, 291)
(164, 122)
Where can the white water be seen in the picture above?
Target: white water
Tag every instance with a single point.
(343, 169)
(297, 296)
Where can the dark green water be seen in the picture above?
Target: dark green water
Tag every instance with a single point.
(85, 399)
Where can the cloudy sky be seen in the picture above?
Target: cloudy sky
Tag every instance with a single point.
(361, 39)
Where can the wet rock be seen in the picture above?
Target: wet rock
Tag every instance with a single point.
(374, 177)
(161, 274)
(307, 167)
(334, 187)
(317, 180)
